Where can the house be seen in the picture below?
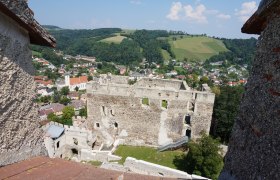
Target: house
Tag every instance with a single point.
(77, 105)
(44, 91)
(55, 108)
(73, 95)
(44, 83)
(72, 83)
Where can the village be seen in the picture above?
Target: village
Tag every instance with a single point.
(81, 69)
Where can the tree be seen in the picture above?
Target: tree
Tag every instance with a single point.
(65, 91)
(45, 99)
(216, 90)
(56, 97)
(68, 113)
(64, 100)
(76, 88)
(203, 158)
(83, 112)
(53, 117)
(90, 78)
(225, 110)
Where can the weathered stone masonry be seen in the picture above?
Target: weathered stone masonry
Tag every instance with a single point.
(20, 135)
(254, 146)
(116, 110)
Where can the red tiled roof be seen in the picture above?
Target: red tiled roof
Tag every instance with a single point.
(40, 77)
(78, 80)
(59, 169)
(45, 83)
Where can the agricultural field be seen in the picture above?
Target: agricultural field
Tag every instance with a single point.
(166, 55)
(116, 39)
(197, 48)
(148, 154)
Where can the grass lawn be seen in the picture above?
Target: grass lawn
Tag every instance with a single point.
(37, 54)
(166, 55)
(148, 154)
(116, 39)
(196, 48)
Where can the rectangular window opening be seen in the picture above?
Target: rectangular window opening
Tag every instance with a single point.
(164, 104)
(146, 101)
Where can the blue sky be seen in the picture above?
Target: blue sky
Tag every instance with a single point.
(221, 18)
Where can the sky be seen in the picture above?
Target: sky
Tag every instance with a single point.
(220, 18)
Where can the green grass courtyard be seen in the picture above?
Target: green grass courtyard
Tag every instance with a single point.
(148, 154)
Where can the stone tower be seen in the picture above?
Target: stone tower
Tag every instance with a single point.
(20, 135)
(254, 149)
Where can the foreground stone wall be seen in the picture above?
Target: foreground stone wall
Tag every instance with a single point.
(254, 146)
(20, 136)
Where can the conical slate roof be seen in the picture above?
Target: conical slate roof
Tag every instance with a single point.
(258, 22)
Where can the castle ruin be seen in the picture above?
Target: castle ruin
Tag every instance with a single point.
(151, 112)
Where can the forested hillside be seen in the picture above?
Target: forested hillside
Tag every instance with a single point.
(242, 51)
(130, 48)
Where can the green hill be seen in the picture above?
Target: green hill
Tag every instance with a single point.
(195, 48)
(130, 47)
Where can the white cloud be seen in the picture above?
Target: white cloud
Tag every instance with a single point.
(175, 10)
(137, 2)
(196, 14)
(247, 9)
(187, 12)
(223, 16)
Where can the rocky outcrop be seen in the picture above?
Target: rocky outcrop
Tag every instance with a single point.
(254, 146)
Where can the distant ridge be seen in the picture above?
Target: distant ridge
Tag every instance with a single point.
(51, 27)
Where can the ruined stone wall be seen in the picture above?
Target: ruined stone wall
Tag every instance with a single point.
(141, 124)
(20, 136)
(254, 145)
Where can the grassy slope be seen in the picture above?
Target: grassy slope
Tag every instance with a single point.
(196, 48)
(116, 39)
(166, 55)
(35, 53)
(148, 154)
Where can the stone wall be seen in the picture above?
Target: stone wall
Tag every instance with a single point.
(117, 110)
(20, 135)
(254, 145)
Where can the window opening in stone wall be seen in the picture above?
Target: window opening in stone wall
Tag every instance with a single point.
(159, 94)
(74, 151)
(103, 110)
(97, 125)
(75, 140)
(191, 107)
(116, 125)
(164, 104)
(112, 112)
(57, 144)
(188, 133)
(93, 144)
(146, 101)
(188, 119)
